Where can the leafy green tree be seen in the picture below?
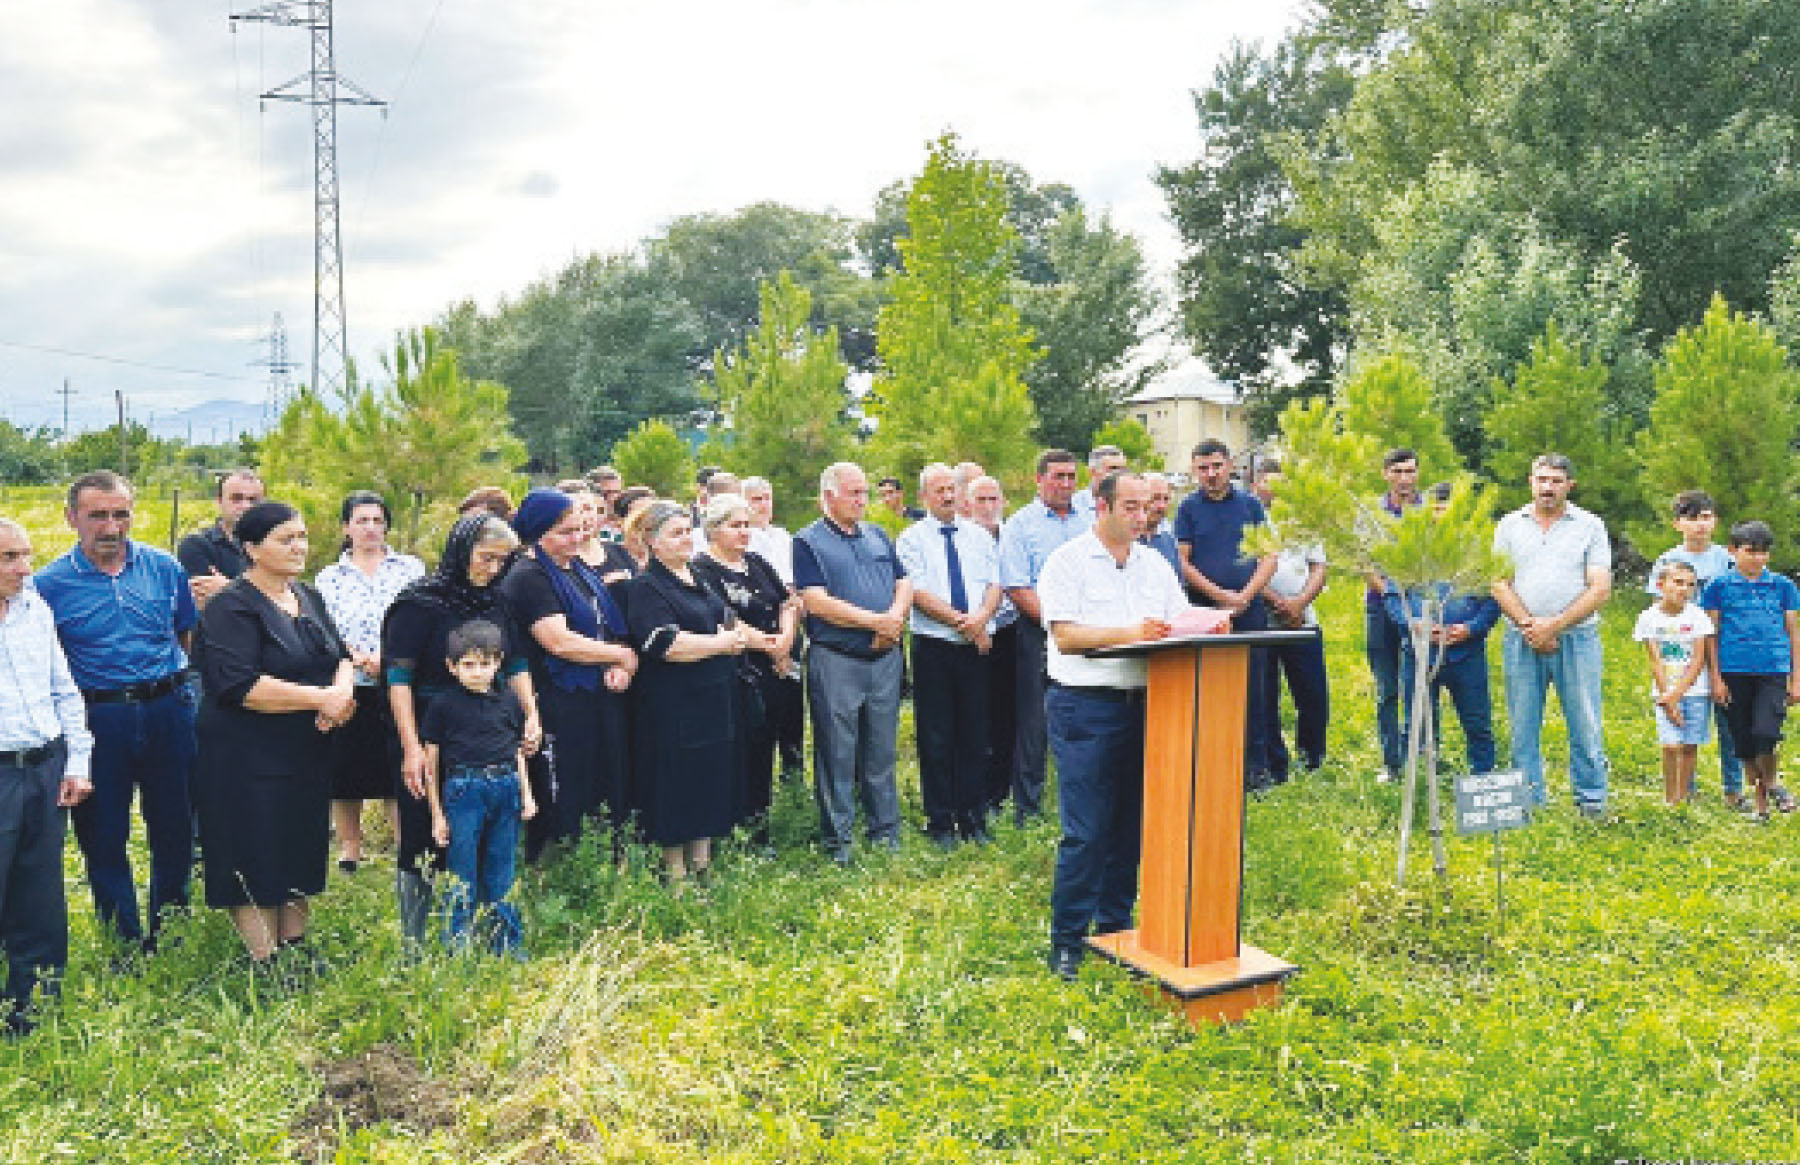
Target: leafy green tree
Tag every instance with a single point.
(653, 454)
(1089, 321)
(950, 339)
(1131, 438)
(1247, 304)
(1726, 417)
(425, 437)
(784, 392)
(1431, 551)
(1558, 403)
(1388, 399)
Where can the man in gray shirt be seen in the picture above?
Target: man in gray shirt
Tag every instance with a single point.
(1562, 573)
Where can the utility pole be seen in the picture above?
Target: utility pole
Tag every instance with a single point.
(66, 392)
(119, 399)
(279, 366)
(324, 90)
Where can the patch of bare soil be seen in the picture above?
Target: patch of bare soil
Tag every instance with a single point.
(382, 1084)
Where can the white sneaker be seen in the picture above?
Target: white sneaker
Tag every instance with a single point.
(1384, 777)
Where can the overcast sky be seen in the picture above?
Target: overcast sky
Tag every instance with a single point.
(151, 212)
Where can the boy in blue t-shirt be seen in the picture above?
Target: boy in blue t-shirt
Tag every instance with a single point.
(1695, 517)
(1757, 616)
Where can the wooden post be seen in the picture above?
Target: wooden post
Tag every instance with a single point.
(1188, 940)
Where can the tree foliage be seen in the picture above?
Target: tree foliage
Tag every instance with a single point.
(1131, 438)
(1725, 419)
(653, 454)
(784, 392)
(1558, 402)
(1388, 399)
(953, 349)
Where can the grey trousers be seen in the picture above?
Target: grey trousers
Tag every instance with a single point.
(1031, 736)
(855, 718)
(34, 914)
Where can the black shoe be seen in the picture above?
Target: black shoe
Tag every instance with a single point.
(945, 841)
(1065, 963)
(348, 865)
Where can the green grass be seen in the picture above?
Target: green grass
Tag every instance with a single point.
(1637, 1000)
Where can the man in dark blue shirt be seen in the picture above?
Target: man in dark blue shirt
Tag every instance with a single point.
(1209, 529)
(124, 612)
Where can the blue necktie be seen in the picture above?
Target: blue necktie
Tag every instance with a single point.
(959, 598)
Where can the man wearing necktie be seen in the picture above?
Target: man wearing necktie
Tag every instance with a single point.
(955, 570)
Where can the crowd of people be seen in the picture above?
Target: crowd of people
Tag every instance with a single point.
(597, 656)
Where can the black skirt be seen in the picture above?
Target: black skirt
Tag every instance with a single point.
(368, 751)
(266, 837)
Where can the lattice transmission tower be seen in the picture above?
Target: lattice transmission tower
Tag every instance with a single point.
(322, 88)
(280, 385)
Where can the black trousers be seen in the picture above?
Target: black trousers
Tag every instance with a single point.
(34, 913)
(950, 718)
(1029, 739)
(1003, 713)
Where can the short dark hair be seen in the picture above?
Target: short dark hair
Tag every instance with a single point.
(490, 498)
(364, 497)
(240, 471)
(1051, 457)
(1398, 454)
(259, 520)
(628, 497)
(1691, 503)
(476, 637)
(1107, 488)
(1558, 462)
(1212, 447)
(1752, 535)
(705, 474)
(893, 481)
(1438, 491)
(103, 480)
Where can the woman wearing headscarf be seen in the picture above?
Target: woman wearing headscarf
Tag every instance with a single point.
(357, 590)
(767, 678)
(574, 635)
(276, 680)
(686, 742)
(414, 651)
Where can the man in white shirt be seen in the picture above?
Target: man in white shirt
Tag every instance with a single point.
(1102, 588)
(954, 566)
(45, 748)
(1299, 577)
(766, 538)
(787, 714)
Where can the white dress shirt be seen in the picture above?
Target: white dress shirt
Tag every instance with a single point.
(1083, 583)
(922, 553)
(38, 697)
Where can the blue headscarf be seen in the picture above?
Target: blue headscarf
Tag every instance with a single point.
(542, 509)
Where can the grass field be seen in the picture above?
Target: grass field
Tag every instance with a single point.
(1637, 1000)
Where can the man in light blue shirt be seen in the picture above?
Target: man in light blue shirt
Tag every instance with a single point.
(1026, 543)
(124, 612)
(955, 571)
(44, 755)
(1102, 460)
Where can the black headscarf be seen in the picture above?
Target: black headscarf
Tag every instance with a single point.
(448, 587)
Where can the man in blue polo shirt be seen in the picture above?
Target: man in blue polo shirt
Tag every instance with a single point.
(1209, 529)
(857, 595)
(124, 611)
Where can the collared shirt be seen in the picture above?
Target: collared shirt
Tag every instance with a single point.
(1550, 567)
(1083, 583)
(921, 550)
(212, 549)
(1292, 569)
(777, 545)
(1752, 621)
(120, 629)
(1082, 502)
(1213, 531)
(858, 566)
(38, 697)
(1372, 596)
(358, 602)
(1030, 535)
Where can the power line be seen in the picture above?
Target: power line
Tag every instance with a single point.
(121, 360)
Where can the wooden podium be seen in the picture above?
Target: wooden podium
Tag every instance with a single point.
(1188, 939)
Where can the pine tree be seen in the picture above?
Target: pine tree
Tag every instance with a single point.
(653, 454)
(1389, 398)
(1557, 403)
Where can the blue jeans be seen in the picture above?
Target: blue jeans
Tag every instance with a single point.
(1303, 665)
(1574, 667)
(1383, 644)
(1099, 750)
(143, 747)
(1467, 682)
(483, 806)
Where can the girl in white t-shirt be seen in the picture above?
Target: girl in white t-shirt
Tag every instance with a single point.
(1678, 638)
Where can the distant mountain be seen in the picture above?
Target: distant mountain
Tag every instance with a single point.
(207, 423)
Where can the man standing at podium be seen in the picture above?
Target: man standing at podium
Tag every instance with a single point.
(1102, 588)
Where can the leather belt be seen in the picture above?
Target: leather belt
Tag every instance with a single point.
(135, 693)
(1110, 695)
(24, 758)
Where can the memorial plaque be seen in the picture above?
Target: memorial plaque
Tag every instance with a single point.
(1490, 802)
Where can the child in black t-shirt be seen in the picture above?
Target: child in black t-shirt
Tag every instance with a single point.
(478, 793)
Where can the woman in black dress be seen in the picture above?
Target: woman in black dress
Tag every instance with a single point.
(767, 677)
(574, 636)
(625, 558)
(686, 711)
(276, 679)
(413, 651)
